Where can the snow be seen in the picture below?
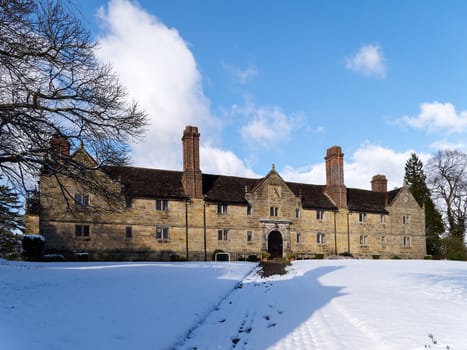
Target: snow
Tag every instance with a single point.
(318, 304)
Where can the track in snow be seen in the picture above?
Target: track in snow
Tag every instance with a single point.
(281, 312)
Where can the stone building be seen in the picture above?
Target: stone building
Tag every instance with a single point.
(188, 214)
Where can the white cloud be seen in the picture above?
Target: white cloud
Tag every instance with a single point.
(447, 145)
(436, 116)
(266, 124)
(218, 161)
(359, 167)
(369, 60)
(160, 72)
(241, 75)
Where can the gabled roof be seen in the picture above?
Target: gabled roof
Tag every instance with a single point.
(156, 183)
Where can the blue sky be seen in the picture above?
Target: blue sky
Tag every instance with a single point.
(280, 82)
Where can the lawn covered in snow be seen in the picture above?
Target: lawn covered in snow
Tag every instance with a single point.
(319, 304)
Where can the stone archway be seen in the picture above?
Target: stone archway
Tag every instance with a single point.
(275, 244)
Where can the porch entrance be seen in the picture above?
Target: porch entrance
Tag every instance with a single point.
(275, 244)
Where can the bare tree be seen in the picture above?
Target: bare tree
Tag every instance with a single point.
(447, 178)
(52, 85)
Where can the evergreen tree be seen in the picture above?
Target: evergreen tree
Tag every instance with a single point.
(416, 180)
(11, 223)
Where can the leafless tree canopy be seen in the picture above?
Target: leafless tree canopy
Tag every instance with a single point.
(52, 84)
(447, 178)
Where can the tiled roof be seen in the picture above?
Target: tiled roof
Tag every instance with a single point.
(369, 201)
(149, 183)
(313, 196)
(156, 183)
(231, 189)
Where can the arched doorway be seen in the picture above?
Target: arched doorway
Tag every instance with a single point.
(275, 244)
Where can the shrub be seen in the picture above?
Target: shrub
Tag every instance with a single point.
(33, 246)
(453, 248)
(252, 258)
(375, 256)
(428, 257)
(265, 255)
(319, 256)
(396, 257)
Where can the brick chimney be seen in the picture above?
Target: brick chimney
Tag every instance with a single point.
(59, 145)
(379, 183)
(335, 187)
(192, 178)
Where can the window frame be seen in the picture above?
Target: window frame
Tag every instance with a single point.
(162, 233)
(249, 236)
(162, 204)
(82, 231)
(321, 238)
(362, 217)
(363, 239)
(274, 211)
(82, 200)
(407, 241)
(128, 233)
(222, 208)
(319, 214)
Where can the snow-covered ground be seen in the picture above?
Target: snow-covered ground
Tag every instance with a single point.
(319, 304)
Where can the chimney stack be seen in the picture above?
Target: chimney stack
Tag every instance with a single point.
(379, 183)
(60, 146)
(335, 187)
(192, 178)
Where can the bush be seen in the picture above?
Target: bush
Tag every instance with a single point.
(396, 257)
(319, 256)
(265, 255)
(453, 248)
(375, 256)
(252, 258)
(33, 246)
(428, 257)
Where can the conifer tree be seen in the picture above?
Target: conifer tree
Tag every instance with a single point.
(416, 180)
(11, 222)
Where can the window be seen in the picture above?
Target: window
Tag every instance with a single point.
(223, 235)
(297, 213)
(273, 211)
(128, 202)
(162, 233)
(362, 217)
(406, 241)
(405, 219)
(162, 204)
(249, 210)
(363, 239)
(82, 231)
(321, 238)
(383, 241)
(82, 199)
(299, 237)
(221, 208)
(319, 214)
(382, 218)
(128, 232)
(249, 236)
